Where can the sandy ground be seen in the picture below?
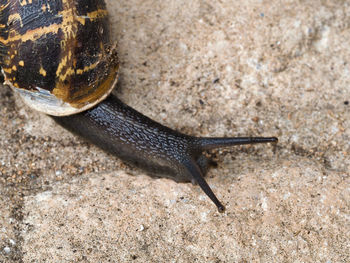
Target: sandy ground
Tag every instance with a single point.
(209, 68)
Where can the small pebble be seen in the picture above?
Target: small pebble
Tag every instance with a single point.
(12, 242)
(7, 250)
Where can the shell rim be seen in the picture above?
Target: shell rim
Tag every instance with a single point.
(45, 102)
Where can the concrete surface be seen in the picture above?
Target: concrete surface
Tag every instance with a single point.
(210, 68)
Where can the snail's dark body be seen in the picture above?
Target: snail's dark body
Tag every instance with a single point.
(57, 55)
(133, 137)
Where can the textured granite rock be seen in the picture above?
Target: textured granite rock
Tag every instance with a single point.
(210, 68)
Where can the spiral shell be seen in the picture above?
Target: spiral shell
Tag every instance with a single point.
(57, 54)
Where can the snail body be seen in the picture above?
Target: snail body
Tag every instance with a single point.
(58, 56)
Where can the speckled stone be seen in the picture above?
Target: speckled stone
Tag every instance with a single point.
(210, 68)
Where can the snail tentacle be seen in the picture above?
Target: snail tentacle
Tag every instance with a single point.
(195, 172)
(215, 142)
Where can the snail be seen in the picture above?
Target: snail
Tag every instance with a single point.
(58, 56)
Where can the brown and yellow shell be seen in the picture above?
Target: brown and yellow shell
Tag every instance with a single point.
(57, 53)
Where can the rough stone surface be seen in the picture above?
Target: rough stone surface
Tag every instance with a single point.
(210, 68)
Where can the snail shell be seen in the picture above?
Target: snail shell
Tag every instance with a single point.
(57, 54)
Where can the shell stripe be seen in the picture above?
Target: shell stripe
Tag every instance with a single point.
(30, 35)
(36, 33)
